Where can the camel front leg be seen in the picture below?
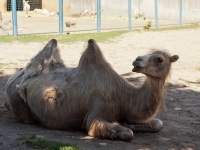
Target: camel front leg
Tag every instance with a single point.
(99, 124)
(154, 125)
(102, 128)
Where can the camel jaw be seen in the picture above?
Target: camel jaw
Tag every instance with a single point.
(137, 69)
(138, 66)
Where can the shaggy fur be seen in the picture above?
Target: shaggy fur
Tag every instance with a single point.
(91, 96)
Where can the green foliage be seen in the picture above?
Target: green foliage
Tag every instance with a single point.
(148, 25)
(40, 143)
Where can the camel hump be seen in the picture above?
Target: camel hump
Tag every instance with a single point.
(91, 41)
(92, 56)
(52, 43)
(48, 49)
(93, 47)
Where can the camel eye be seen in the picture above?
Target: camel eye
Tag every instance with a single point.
(160, 60)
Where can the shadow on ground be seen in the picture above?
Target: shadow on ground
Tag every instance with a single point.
(180, 132)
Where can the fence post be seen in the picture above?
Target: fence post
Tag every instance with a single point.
(61, 16)
(14, 17)
(129, 15)
(180, 13)
(156, 13)
(98, 15)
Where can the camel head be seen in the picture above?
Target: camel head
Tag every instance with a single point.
(156, 64)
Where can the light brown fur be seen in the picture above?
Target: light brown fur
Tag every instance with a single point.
(92, 96)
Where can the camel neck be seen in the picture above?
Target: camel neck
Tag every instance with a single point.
(155, 85)
(149, 97)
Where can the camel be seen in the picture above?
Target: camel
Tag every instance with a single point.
(92, 96)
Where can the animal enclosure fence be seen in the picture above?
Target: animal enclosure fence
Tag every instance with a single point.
(63, 16)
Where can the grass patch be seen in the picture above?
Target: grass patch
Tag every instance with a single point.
(40, 143)
(192, 26)
(99, 37)
(65, 38)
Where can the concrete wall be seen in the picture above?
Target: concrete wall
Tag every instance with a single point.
(53, 6)
(77, 6)
(167, 9)
(3, 5)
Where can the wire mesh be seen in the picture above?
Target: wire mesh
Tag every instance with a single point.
(82, 16)
(191, 11)
(114, 14)
(143, 13)
(79, 15)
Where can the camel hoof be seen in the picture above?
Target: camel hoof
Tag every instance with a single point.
(157, 125)
(125, 135)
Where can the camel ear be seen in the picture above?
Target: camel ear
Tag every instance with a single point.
(174, 58)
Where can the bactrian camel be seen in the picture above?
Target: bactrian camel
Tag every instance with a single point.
(91, 96)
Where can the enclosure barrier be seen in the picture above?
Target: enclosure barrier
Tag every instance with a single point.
(98, 15)
(14, 17)
(156, 13)
(61, 16)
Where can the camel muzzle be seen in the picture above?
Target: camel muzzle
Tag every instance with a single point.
(137, 66)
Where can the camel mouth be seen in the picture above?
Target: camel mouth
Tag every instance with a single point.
(136, 68)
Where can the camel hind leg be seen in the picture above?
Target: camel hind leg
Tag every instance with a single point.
(22, 113)
(16, 104)
(46, 60)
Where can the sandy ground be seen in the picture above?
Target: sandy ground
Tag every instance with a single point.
(181, 119)
(38, 23)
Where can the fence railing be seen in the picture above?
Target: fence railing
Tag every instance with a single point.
(124, 18)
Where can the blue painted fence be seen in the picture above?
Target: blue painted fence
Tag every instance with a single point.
(98, 9)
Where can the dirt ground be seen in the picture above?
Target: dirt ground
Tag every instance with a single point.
(38, 23)
(181, 119)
